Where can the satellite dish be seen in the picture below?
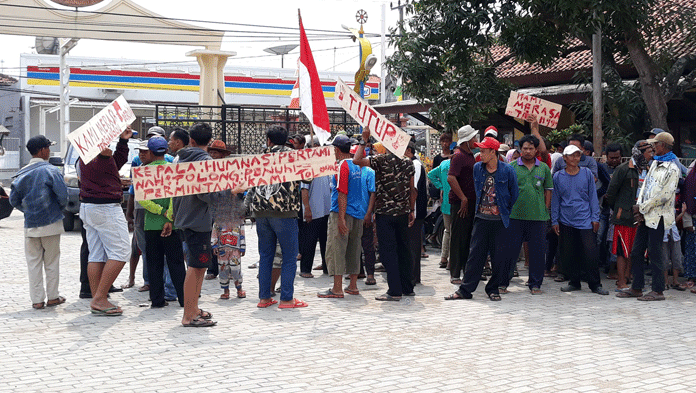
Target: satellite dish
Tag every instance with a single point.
(46, 45)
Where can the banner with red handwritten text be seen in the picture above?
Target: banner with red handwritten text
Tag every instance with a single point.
(391, 136)
(520, 105)
(235, 173)
(96, 135)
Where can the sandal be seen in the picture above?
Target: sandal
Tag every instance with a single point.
(329, 294)
(559, 278)
(38, 306)
(370, 281)
(651, 296)
(494, 297)
(536, 291)
(268, 303)
(241, 294)
(628, 293)
(295, 304)
(388, 298)
(204, 314)
(458, 296)
(351, 291)
(679, 287)
(56, 301)
(144, 288)
(225, 296)
(455, 281)
(503, 290)
(198, 322)
(306, 275)
(210, 276)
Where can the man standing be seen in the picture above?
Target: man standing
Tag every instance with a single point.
(39, 191)
(585, 161)
(316, 205)
(496, 192)
(192, 215)
(345, 222)
(105, 224)
(161, 240)
(178, 139)
(275, 209)
(575, 219)
(621, 197)
(462, 197)
(395, 199)
(415, 231)
(438, 178)
(529, 215)
(654, 212)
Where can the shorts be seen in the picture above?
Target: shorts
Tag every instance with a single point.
(199, 254)
(672, 255)
(107, 232)
(623, 240)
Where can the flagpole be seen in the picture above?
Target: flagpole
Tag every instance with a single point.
(311, 127)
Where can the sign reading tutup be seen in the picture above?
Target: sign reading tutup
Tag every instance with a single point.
(391, 136)
(96, 135)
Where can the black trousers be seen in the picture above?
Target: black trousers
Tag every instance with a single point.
(488, 236)
(368, 258)
(313, 231)
(156, 248)
(394, 252)
(652, 240)
(460, 240)
(415, 238)
(84, 261)
(552, 249)
(578, 256)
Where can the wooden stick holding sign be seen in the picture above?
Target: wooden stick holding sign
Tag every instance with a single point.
(520, 105)
(236, 173)
(96, 135)
(391, 136)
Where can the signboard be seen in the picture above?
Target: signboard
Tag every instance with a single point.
(96, 135)
(520, 105)
(391, 136)
(236, 173)
(77, 3)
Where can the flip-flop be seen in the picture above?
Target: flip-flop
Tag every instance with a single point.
(329, 294)
(225, 296)
(266, 304)
(651, 296)
(494, 297)
(105, 312)
(204, 315)
(197, 322)
(295, 304)
(241, 294)
(351, 291)
(56, 301)
(306, 275)
(628, 293)
(144, 288)
(458, 296)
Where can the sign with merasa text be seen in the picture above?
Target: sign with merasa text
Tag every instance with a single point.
(520, 105)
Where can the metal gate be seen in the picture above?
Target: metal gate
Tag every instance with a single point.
(243, 129)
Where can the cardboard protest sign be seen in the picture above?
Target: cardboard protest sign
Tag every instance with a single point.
(520, 105)
(391, 136)
(236, 173)
(96, 135)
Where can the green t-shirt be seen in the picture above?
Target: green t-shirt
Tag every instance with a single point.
(532, 183)
(156, 221)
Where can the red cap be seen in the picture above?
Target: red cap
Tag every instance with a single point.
(488, 143)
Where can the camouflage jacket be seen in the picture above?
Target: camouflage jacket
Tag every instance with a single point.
(274, 200)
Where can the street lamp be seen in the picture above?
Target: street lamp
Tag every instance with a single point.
(281, 50)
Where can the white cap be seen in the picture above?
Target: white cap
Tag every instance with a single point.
(143, 146)
(570, 150)
(465, 134)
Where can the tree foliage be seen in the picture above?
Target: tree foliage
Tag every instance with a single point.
(445, 50)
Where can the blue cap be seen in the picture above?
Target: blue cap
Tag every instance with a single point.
(342, 142)
(157, 145)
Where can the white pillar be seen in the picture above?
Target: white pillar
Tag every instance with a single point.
(212, 79)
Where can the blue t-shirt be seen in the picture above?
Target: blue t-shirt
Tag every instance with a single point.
(368, 187)
(348, 181)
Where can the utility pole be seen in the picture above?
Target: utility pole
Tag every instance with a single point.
(400, 7)
(65, 46)
(597, 105)
(383, 58)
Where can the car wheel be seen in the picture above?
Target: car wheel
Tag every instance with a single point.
(68, 222)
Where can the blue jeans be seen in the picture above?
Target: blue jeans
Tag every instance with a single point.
(271, 231)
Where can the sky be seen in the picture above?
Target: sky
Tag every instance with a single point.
(316, 14)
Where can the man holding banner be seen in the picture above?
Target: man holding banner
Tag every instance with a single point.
(104, 221)
(395, 200)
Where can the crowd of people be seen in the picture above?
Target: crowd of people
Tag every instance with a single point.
(575, 216)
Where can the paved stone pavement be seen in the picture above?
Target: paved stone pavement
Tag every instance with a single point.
(556, 342)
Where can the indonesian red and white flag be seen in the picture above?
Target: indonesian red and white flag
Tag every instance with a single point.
(312, 102)
(295, 95)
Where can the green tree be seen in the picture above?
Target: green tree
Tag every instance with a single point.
(446, 51)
